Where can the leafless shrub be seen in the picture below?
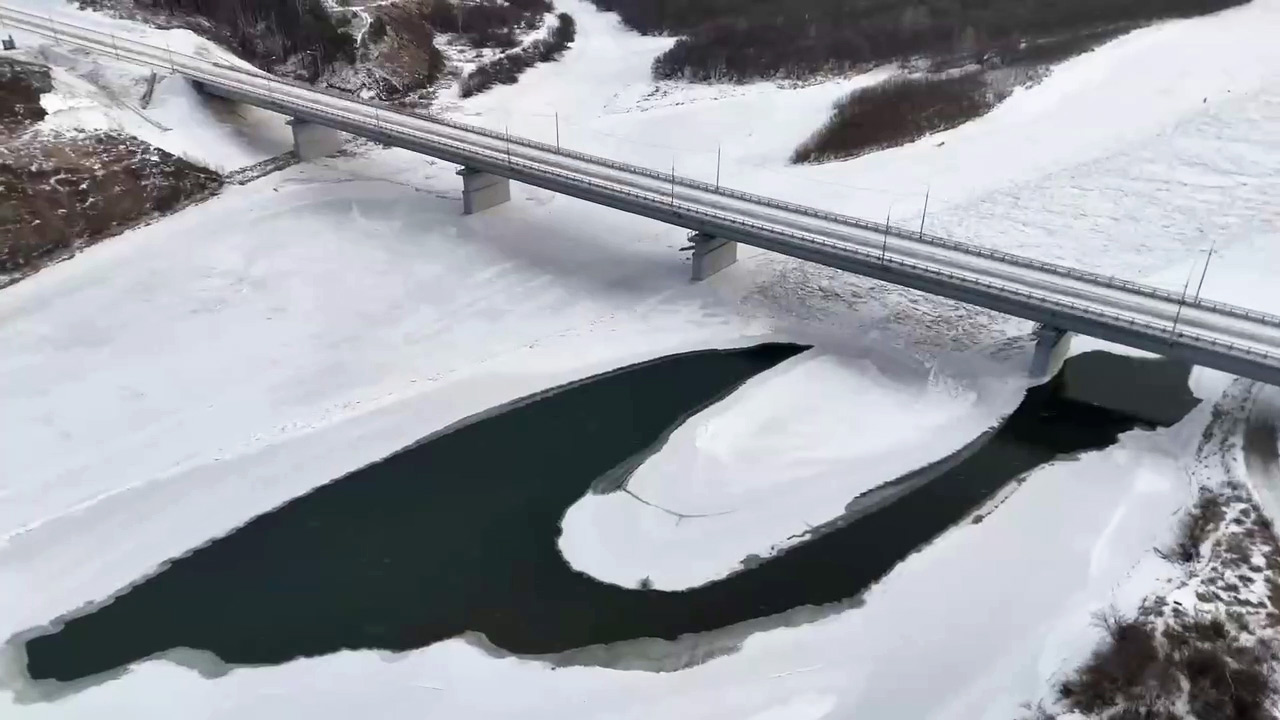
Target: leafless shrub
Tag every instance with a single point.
(21, 85)
(1227, 680)
(484, 24)
(1126, 671)
(266, 32)
(1143, 672)
(897, 111)
(1037, 712)
(506, 68)
(1195, 528)
(1273, 593)
(745, 39)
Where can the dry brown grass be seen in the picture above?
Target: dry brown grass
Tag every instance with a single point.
(62, 192)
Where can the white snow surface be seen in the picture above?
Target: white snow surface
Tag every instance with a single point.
(750, 475)
(1148, 86)
(163, 388)
(203, 129)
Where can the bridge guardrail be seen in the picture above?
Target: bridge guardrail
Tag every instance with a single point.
(869, 257)
(1010, 293)
(862, 224)
(840, 219)
(859, 223)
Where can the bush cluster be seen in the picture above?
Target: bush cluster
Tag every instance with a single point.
(747, 39)
(507, 67)
(1144, 670)
(487, 25)
(268, 32)
(895, 112)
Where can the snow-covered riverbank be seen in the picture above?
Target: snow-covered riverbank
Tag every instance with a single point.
(164, 387)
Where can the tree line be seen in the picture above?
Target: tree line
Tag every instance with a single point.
(898, 111)
(269, 32)
(507, 67)
(747, 39)
(487, 24)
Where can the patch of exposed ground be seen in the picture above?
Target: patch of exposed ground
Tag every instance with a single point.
(64, 192)
(21, 85)
(397, 58)
(408, 49)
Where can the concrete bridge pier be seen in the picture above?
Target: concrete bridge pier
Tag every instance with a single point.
(312, 141)
(482, 190)
(711, 255)
(1052, 345)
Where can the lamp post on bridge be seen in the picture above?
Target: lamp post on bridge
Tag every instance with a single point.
(717, 168)
(1178, 315)
(925, 212)
(884, 246)
(1205, 271)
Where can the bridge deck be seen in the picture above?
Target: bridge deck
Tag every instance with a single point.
(1217, 335)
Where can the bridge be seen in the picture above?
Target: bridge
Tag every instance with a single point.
(1060, 299)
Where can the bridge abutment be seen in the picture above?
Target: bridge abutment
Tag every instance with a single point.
(1052, 345)
(711, 255)
(312, 141)
(482, 190)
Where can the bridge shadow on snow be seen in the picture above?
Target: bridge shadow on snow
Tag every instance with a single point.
(458, 533)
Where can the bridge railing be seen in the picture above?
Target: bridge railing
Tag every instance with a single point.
(111, 43)
(862, 224)
(1066, 309)
(838, 218)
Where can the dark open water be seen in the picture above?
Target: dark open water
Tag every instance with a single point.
(459, 533)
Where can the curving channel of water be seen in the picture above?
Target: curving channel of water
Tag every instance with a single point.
(458, 533)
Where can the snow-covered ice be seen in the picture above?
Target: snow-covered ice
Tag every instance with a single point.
(752, 474)
(164, 387)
